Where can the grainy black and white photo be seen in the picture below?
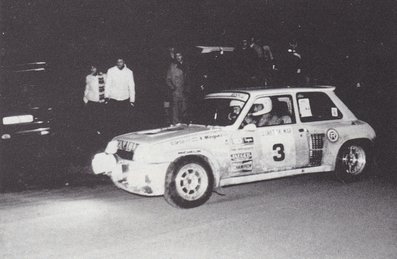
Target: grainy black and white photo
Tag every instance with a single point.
(198, 129)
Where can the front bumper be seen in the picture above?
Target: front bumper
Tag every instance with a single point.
(139, 178)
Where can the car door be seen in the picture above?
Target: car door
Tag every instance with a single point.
(276, 148)
(282, 143)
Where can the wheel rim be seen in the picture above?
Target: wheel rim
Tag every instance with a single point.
(191, 181)
(354, 160)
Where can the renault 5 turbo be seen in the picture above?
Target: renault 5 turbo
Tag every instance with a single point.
(241, 136)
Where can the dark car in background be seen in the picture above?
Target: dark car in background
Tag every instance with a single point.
(26, 101)
(27, 127)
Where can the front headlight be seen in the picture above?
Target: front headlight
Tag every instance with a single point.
(17, 119)
(112, 147)
(103, 163)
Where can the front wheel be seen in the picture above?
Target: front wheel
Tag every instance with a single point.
(189, 183)
(353, 162)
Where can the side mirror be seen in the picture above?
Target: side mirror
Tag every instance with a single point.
(250, 127)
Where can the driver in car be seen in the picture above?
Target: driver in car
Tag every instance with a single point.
(263, 114)
(236, 107)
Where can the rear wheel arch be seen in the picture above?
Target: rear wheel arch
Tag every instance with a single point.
(367, 143)
(367, 147)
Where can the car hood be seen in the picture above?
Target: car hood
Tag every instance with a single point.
(164, 134)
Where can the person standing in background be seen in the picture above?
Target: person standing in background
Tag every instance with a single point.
(258, 80)
(293, 65)
(177, 81)
(256, 47)
(269, 65)
(171, 54)
(94, 98)
(120, 94)
(167, 93)
(246, 65)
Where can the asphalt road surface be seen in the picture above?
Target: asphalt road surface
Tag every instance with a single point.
(312, 216)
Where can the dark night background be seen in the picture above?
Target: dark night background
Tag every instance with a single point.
(342, 42)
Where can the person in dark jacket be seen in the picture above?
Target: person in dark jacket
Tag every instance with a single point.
(177, 81)
(245, 66)
(292, 67)
(269, 65)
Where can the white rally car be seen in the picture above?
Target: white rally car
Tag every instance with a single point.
(241, 136)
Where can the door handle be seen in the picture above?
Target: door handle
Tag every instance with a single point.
(302, 130)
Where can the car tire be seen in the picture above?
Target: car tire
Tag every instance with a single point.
(189, 183)
(353, 161)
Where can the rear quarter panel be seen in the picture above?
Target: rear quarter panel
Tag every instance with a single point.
(348, 128)
(345, 131)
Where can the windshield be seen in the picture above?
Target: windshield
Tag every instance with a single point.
(218, 111)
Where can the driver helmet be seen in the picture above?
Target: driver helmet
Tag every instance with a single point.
(265, 105)
(234, 103)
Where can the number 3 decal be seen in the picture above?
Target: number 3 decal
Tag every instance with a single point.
(280, 152)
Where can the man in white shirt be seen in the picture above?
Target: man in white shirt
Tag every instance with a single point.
(120, 85)
(120, 91)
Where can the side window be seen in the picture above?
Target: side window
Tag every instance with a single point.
(271, 111)
(317, 106)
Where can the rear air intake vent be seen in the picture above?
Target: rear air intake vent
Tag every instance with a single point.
(316, 149)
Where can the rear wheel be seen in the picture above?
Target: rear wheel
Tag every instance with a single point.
(353, 161)
(189, 183)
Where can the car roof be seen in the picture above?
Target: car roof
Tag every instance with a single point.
(255, 91)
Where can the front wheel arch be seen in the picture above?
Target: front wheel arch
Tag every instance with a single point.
(210, 163)
(171, 194)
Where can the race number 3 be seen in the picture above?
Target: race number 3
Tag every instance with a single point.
(279, 148)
